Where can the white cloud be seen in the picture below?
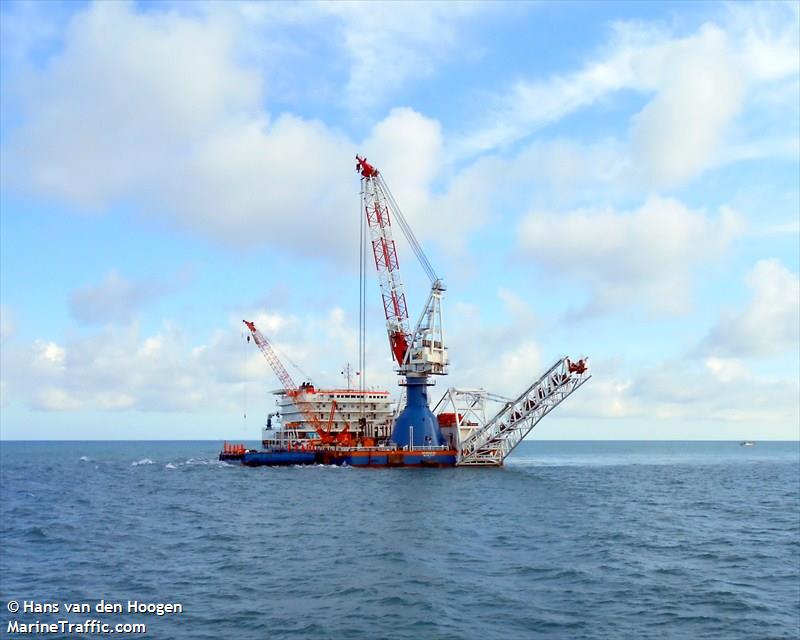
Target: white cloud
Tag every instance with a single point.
(156, 108)
(120, 368)
(769, 36)
(51, 354)
(727, 369)
(531, 105)
(515, 304)
(679, 390)
(696, 86)
(769, 323)
(121, 104)
(288, 184)
(54, 399)
(160, 108)
(676, 136)
(647, 255)
(116, 299)
(553, 173)
(376, 48)
(389, 43)
(501, 355)
(124, 370)
(407, 148)
(675, 393)
(116, 369)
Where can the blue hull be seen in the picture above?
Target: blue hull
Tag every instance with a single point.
(349, 457)
(352, 459)
(278, 458)
(406, 459)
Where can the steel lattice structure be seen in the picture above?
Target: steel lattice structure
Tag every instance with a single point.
(292, 390)
(421, 352)
(493, 443)
(376, 209)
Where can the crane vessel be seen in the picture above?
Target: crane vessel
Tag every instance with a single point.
(461, 429)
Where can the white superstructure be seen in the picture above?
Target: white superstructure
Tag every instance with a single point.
(366, 414)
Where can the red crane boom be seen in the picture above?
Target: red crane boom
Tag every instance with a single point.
(271, 357)
(417, 352)
(376, 209)
(291, 388)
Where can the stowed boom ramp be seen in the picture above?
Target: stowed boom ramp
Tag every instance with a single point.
(491, 444)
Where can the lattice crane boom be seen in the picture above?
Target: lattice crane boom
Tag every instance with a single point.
(420, 352)
(292, 390)
(271, 357)
(491, 444)
(384, 250)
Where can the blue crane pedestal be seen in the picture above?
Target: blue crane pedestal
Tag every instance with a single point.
(416, 424)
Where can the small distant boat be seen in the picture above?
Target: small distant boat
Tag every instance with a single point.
(747, 443)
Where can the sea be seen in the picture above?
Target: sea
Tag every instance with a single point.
(574, 540)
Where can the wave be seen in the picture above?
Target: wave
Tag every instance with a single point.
(195, 462)
(322, 466)
(36, 533)
(141, 462)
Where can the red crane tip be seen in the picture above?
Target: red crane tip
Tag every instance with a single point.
(365, 168)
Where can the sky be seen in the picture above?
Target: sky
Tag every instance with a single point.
(613, 180)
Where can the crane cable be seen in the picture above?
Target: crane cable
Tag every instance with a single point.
(362, 305)
(286, 358)
(407, 232)
(245, 382)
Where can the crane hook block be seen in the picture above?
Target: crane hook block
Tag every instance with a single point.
(365, 168)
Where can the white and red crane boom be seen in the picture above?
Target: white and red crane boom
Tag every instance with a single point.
(272, 358)
(384, 251)
(291, 389)
(422, 351)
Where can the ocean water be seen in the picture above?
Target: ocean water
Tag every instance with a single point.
(569, 540)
